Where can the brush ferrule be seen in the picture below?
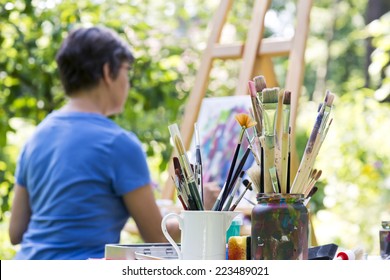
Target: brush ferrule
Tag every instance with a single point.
(241, 134)
(325, 118)
(270, 142)
(269, 118)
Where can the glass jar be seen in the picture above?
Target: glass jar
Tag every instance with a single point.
(279, 227)
(384, 240)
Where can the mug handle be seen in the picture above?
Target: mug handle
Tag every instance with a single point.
(166, 233)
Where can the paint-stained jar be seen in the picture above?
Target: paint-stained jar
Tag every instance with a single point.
(279, 227)
(384, 240)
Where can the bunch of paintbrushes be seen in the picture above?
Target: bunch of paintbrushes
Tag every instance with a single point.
(270, 147)
(188, 180)
(271, 110)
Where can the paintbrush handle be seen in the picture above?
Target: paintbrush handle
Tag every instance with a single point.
(231, 196)
(306, 160)
(199, 181)
(195, 195)
(262, 170)
(218, 200)
(229, 177)
(236, 174)
(227, 204)
(288, 185)
(278, 157)
(274, 180)
(283, 174)
(269, 159)
(182, 202)
(239, 198)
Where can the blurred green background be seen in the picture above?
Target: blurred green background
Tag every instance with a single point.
(348, 52)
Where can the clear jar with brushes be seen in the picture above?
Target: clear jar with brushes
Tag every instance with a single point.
(279, 227)
(384, 240)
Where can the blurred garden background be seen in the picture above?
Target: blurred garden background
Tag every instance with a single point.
(348, 52)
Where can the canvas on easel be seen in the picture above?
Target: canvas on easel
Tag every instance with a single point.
(217, 128)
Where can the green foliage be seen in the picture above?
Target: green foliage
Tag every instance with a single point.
(31, 33)
(379, 69)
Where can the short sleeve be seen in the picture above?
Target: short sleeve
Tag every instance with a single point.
(130, 169)
(20, 171)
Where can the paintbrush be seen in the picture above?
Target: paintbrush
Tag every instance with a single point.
(257, 110)
(314, 143)
(270, 103)
(179, 192)
(253, 147)
(235, 176)
(274, 180)
(219, 198)
(198, 165)
(288, 186)
(285, 139)
(307, 159)
(314, 177)
(248, 186)
(310, 195)
(260, 83)
(185, 164)
(278, 135)
(184, 190)
(233, 192)
(322, 132)
(217, 205)
(245, 122)
(257, 115)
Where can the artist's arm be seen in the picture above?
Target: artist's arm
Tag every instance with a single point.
(146, 214)
(20, 214)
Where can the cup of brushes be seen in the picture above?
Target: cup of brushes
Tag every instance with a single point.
(279, 220)
(203, 233)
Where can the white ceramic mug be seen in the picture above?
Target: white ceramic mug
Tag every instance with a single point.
(203, 234)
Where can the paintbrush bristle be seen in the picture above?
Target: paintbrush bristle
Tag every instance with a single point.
(318, 175)
(329, 100)
(245, 120)
(179, 145)
(270, 95)
(287, 97)
(260, 83)
(247, 184)
(312, 191)
(254, 175)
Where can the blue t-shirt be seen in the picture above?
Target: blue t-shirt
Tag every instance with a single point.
(76, 168)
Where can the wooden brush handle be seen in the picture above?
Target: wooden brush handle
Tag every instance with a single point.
(268, 163)
(283, 173)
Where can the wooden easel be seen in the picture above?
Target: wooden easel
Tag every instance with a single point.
(256, 54)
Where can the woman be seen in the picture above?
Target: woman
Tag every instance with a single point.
(81, 176)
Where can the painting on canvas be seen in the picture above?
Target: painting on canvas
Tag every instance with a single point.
(219, 132)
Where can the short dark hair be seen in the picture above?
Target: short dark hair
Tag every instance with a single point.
(83, 53)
